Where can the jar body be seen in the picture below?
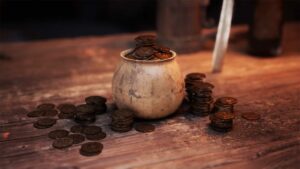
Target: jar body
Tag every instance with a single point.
(151, 89)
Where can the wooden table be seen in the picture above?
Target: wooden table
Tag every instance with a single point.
(68, 70)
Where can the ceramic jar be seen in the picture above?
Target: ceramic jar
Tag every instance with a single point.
(151, 88)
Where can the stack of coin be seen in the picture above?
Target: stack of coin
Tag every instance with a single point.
(224, 104)
(67, 111)
(98, 102)
(85, 114)
(147, 49)
(93, 133)
(199, 94)
(193, 78)
(221, 121)
(122, 120)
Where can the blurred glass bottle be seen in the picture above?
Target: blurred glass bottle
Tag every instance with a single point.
(266, 28)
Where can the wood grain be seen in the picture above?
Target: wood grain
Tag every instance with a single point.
(68, 70)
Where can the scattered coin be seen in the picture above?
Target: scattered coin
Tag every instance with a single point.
(66, 115)
(251, 116)
(44, 123)
(91, 149)
(66, 108)
(50, 113)
(35, 113)
(144, 127)
(77, 138)
(35, 125)
(77, 129)
(61, 143)
(46, 106)
(91, 130)
(55, 134)
(98, 136)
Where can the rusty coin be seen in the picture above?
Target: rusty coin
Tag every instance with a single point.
(61, 143)
(58, 134)
(251, 116)
(144, 127)
(91, 149)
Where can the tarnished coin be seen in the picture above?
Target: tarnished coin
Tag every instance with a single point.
(144, 127)
(77, 138)
(61, 143)
(55, 134)
(46, 122)
(162, 49)
(36, 125)
(85, 109)
(66, 108)
(145, 39)
(35, 113)
(95, 100)
(99, 136)
(224, 115)
(162, 55)
(50, 113)
(91, 130)
(220, 129)
(66, 115)
(251, 116)
(91, 149)
(226, 100)
(45, 106)
(77, 129)
(144, 52)
(195, 76)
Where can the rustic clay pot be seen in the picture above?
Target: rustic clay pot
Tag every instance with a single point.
(152, 89)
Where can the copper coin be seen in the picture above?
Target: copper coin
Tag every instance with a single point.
(195, 76)
(91, 130)
(77, 129)
(35, 113)
(46, 122)
(52, 112)
(91, 149)
(61, 143)
(66, 108)
(58, 134)
(251, 116)
(77, 138)
(227, 100)
(95, 100)
(224, 115)
(45, 106)
(143, 52)
(144, 127)
(99, 136)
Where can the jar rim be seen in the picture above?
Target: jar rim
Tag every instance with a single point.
(124, 52)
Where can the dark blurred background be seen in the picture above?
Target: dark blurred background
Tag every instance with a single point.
(22, 20)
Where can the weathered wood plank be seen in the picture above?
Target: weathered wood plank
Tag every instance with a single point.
(68, 70)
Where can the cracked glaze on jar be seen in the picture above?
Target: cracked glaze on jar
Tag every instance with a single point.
(151, 88)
